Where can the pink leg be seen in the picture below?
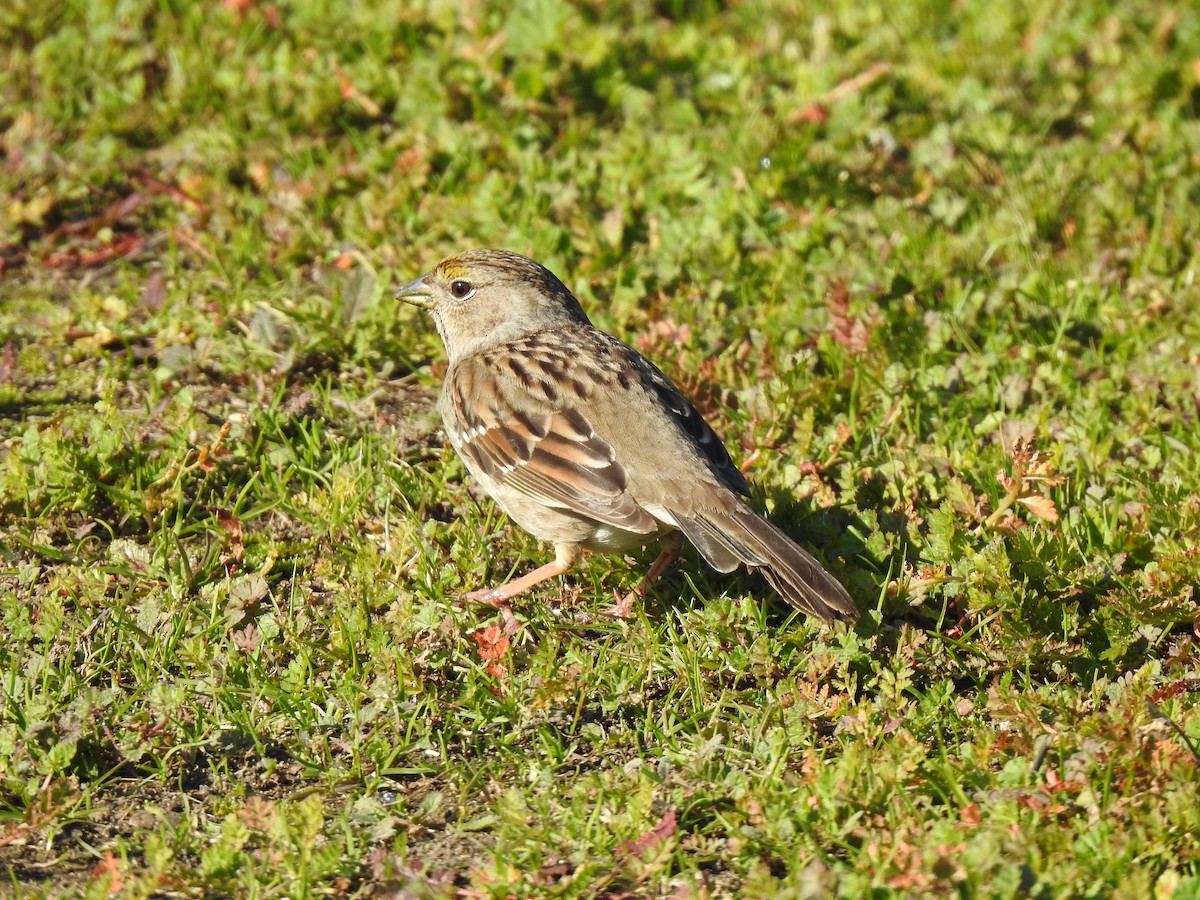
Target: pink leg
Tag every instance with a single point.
(565, 556)
(672, 544)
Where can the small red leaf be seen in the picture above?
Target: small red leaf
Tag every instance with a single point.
(637, 847)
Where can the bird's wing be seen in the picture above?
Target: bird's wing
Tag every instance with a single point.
(536, 441)
(685, 416)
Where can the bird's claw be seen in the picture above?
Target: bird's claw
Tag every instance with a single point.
(497, 598)
(622, 608)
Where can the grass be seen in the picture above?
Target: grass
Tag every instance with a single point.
(930, 268)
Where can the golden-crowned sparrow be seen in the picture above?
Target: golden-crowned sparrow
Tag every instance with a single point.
(585, 443)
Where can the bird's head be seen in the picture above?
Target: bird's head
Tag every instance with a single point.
(486, 297)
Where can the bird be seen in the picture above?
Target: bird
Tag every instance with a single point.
(585, 443)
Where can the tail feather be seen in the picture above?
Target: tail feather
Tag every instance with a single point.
(726, 538)
(720, 549)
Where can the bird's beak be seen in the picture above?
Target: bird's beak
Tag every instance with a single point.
(418, 293)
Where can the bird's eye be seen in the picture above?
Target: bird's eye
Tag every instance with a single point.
(461, 290)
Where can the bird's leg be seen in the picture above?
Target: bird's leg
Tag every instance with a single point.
(565, 556)
(672, 544)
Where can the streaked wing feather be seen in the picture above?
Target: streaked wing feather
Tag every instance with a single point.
(687, 417)
(554, 456)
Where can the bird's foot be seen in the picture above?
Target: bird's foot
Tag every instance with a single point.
(489, 596)
(498, 598)
(623, 607)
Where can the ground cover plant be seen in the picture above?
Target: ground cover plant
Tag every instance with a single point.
(929, 267)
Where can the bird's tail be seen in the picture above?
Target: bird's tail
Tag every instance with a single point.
(740, 535)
